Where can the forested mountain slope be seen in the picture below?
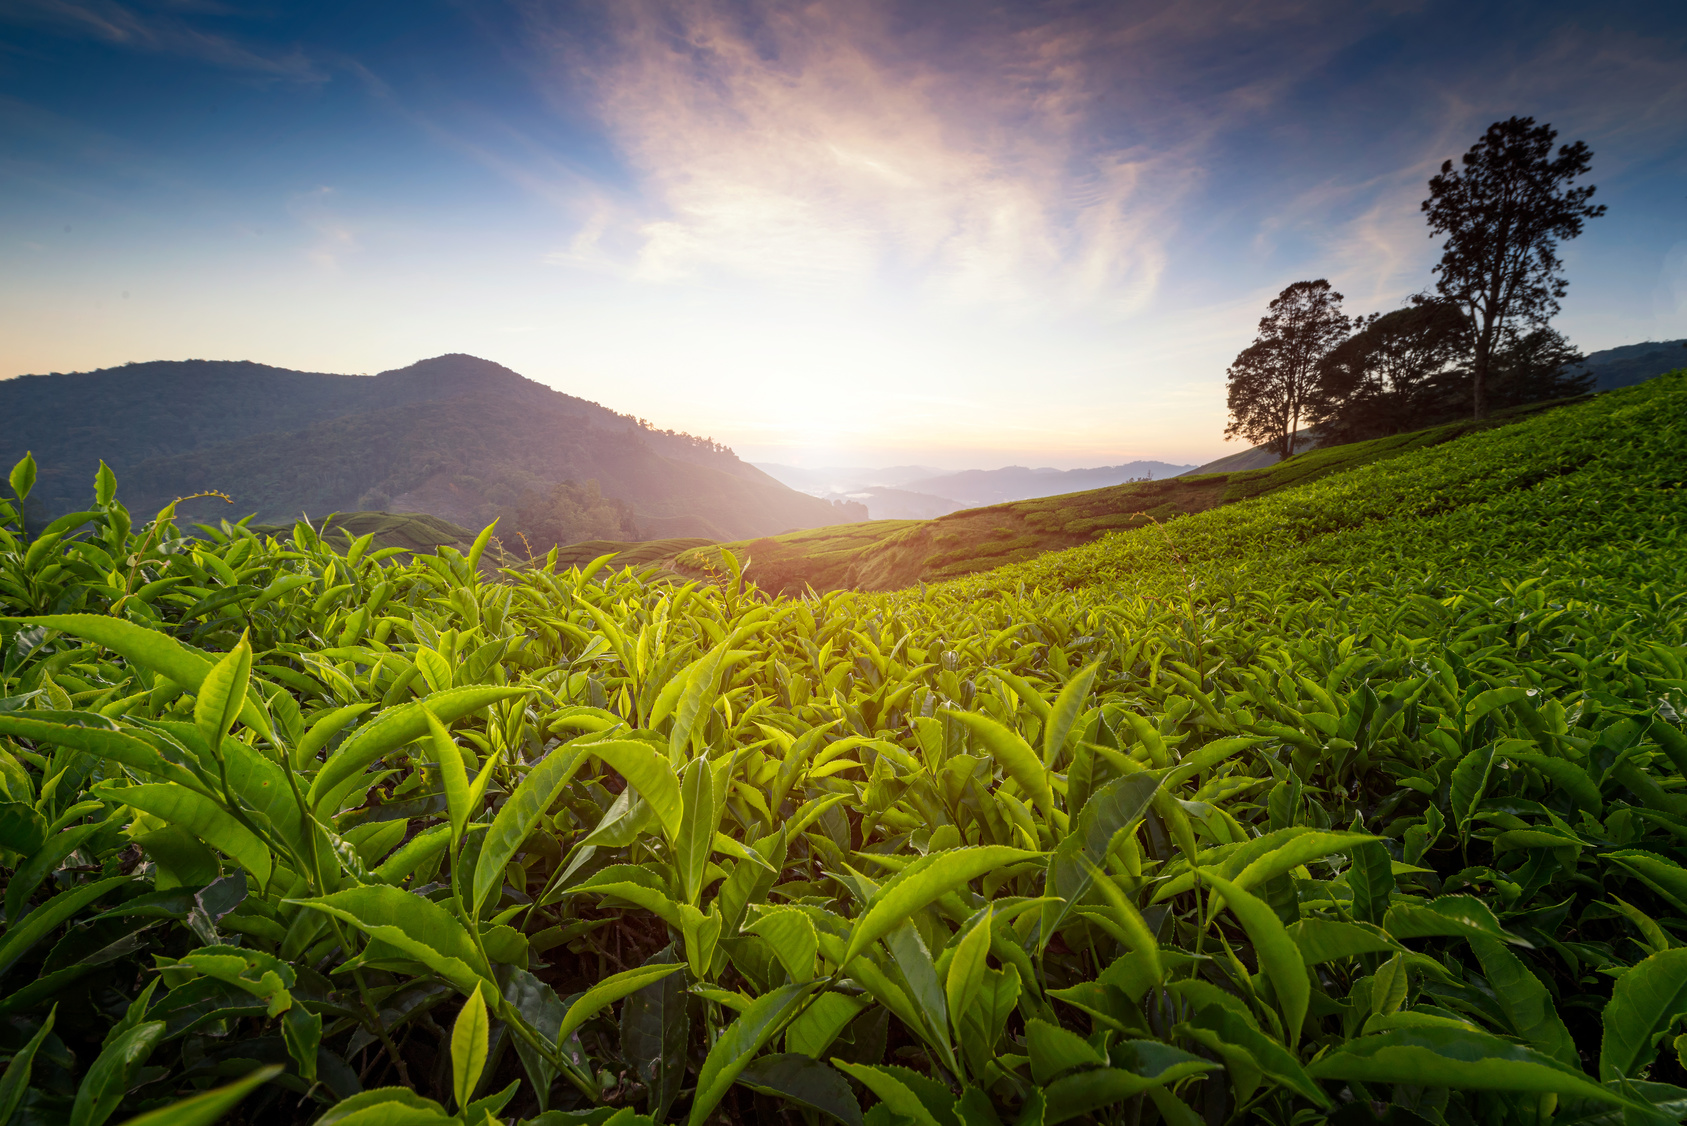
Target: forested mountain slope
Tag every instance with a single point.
(454, 436)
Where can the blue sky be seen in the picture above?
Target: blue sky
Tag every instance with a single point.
(825, 233)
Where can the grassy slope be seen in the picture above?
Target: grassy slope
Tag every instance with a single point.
(892, 554)
(1547, 480)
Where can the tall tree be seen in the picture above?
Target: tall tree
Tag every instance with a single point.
(1270, 382)
(1393, 374)
(1504, 213)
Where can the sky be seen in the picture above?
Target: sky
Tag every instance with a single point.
(850, 232)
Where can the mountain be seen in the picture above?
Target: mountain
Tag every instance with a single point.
(1016, 482)
(455, 436)
(1254, 457)
(1633, 363)
(901, 504)
(839, 480)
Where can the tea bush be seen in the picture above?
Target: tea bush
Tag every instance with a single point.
(1361, 802)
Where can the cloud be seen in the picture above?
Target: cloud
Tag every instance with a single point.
(161, 33)
(803, 143)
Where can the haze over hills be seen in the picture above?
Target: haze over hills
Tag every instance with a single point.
(914, 492)
(454, 436)
(840, 480)
(1016, 482)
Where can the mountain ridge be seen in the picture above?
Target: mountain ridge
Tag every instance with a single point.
(281, 442)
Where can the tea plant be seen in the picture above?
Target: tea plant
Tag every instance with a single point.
(1361, 802)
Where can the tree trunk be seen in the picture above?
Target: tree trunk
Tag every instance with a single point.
(1479, 371)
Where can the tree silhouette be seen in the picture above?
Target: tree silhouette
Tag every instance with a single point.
(1271, 381)
(1392, 375)
(1504, 212)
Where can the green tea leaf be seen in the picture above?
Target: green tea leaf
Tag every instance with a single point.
(894, 1094)
(103, 742)
(1296, 851)
(1371, 879)
(1645, 1002)
(650, 774)
(395, 727)
(791, 934)
(608, 991)
(1015, 756)
(655, 1031)
(696, 836)
(22, 477)
(1055, 1051)
(820, 1023)
(1461, 916)
(1526, 1002)
(108, 1077)
(1217, 1025)
(205, 1109)
(966, 968)
(743, 1038)
(1457, 1058)
(468, 1049)
(16, 1079)
(21, 828)
(39, 923)
(806, 1082)
(1154, 1065)
(519, 815)
(1279, 958)
(922, 882)
(1065, 711)
(151, 650)
(420, 928)
(222, 694)
(200, 816)
(452, 775)
(1325, 940)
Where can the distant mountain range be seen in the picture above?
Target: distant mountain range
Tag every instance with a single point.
(1633, 363)
(1015, 482)
(912, 492)
(455, 436)
(841, 480)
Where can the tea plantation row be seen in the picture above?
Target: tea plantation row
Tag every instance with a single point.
(1362, 802)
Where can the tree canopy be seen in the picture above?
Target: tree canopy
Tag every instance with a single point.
(1503, 211)
(1270, 382)
(1394, 374)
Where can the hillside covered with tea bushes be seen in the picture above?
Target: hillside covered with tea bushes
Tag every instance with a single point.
(1360, 802)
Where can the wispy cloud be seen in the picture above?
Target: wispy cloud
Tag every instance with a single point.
(166, 33)
(803, 143)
